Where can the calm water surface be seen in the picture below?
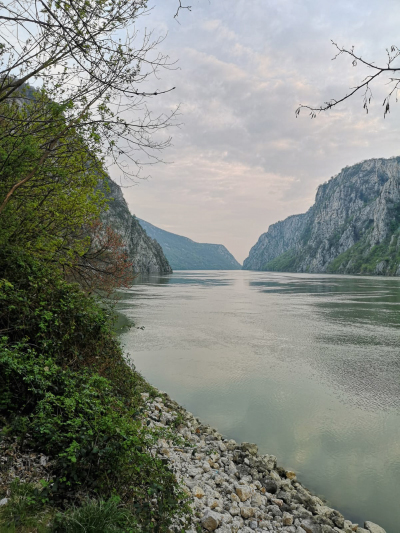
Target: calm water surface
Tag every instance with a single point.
(306, 366)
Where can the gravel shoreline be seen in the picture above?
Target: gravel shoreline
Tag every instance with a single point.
(233, 489)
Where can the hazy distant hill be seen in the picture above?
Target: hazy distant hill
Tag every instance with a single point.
(184, 254)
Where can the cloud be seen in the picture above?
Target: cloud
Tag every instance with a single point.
(241, 160)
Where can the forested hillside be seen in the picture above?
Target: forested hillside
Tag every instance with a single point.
(185, 254)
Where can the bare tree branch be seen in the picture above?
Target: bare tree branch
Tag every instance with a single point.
(189, 8)
(365, 84)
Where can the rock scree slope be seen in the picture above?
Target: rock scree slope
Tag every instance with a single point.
(185, 254)
(145, 253)
(352, 228)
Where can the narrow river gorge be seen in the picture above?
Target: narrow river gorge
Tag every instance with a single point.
(306, 366)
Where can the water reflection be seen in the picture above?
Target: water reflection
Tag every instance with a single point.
(306, 366)
(200, 279)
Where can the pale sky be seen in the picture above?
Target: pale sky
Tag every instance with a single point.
(240, 160)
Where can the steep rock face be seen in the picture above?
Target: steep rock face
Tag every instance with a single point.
(185, 254)
(145, 252)
(353, 227)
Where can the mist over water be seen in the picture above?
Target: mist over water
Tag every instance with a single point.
(306, 366)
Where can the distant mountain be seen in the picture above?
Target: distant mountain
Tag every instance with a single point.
(352, 228)
(184, 254)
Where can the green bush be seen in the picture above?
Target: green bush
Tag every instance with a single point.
(39, 307)
(66, 391)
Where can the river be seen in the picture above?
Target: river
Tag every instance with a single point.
(306, 366)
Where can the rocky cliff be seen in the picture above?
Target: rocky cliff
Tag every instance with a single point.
(352, 228)
(145, 252)
(185, 254)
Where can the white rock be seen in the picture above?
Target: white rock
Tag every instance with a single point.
(269, 461)
(198, 492)
(324, 510)
(247, 512)
(221, 446)
(3, 501)
(244, 492)
(275, 476)
(210, 520)
(206, 466)
(236, 524)
(316, 500)
(257, 500)
(234, 510)
(213, 503)
(348, 526)
(287, 519)
(373, 528)
(226, 518)
(224, 529)
(309, 526)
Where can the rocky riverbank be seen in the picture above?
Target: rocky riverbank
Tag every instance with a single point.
(233, 488)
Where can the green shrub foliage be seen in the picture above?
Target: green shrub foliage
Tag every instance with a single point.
(66, 390)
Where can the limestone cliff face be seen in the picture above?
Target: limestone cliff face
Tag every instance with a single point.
(353, 227)
(146, 253)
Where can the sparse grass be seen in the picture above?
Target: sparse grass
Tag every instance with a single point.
(97, 516)
(26, 511)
